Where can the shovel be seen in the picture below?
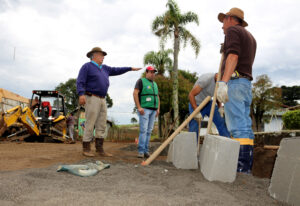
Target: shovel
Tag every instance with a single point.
(198, 149)
(212, 110)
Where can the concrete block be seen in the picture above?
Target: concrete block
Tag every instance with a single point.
(219, 158)
(285, 181)
(183, 151)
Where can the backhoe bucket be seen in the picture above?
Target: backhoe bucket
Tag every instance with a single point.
(3, 125)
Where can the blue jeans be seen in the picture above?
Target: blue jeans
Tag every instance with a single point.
(146, 125)
(217, 119)
(237, 109)
(238, 120)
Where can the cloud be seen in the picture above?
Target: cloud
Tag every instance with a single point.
(44, 43)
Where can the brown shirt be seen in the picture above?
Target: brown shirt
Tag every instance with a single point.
(240, 42)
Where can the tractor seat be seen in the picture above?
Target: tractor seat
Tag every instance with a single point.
(46, 109)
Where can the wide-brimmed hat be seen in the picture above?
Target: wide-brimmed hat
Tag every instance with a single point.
(234, 12)
(151, 68)
(95, 49)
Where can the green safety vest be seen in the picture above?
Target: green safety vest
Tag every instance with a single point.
(149, 94)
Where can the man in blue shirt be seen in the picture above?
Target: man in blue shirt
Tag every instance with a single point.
(92, 86)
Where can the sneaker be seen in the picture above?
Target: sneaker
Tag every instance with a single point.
(146, 155)
(140, 155)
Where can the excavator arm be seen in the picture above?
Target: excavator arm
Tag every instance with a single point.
(28, 120)
(16, 114)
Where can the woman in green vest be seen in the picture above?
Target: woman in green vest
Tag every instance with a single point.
(146, 99)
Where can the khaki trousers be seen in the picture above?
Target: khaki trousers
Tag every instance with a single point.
(95, 114)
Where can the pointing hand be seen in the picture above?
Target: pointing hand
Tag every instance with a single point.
(135, 69)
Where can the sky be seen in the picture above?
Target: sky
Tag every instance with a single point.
(44, 43)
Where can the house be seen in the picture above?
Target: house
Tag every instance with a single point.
(9, 100)
(274, 121)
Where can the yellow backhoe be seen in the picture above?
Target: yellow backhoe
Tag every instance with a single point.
(44, 120)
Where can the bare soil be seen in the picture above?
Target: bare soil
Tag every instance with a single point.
(263, 162)
(28, 177)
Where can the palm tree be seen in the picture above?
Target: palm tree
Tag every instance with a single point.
(171, 25)
(160, 60)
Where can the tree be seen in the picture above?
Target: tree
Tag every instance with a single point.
(172, 25)
(160, 60)
(291, 119)
(133, 120)
(68, 89)
(290, 95)
(265, 98)
(165, 91)
(109, 101)
(192, 77)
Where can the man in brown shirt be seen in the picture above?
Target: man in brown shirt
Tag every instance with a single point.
(235, 85)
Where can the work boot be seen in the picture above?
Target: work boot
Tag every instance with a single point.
(86, 146)
(245, 159)
(99, 148)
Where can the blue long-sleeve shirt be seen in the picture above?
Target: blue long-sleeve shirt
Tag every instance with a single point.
(95, 80)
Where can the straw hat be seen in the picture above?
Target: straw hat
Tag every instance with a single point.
(95, 49)
(234, 12)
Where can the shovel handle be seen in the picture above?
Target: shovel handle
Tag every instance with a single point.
(212, 110)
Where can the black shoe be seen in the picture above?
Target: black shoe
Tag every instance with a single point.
(146, 155)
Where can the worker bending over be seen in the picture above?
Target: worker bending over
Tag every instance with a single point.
(205, 86)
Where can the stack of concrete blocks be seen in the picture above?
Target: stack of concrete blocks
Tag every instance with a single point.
(183, 151)
(219, 158)
(285, 181)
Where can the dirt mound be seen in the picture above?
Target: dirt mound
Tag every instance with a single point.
(263, 162)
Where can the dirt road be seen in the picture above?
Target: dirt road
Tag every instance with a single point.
(28, 177)
(16, 156)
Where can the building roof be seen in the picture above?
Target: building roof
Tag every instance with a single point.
(10, 95)
(277, 112)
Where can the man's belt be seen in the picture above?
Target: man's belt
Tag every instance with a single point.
(236, 75)
(91, 94)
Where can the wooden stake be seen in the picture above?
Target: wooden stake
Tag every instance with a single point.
(198, 149)
(212, 110)
(161, 147)
(272, 147)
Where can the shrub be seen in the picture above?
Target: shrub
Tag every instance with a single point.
(291, 119)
